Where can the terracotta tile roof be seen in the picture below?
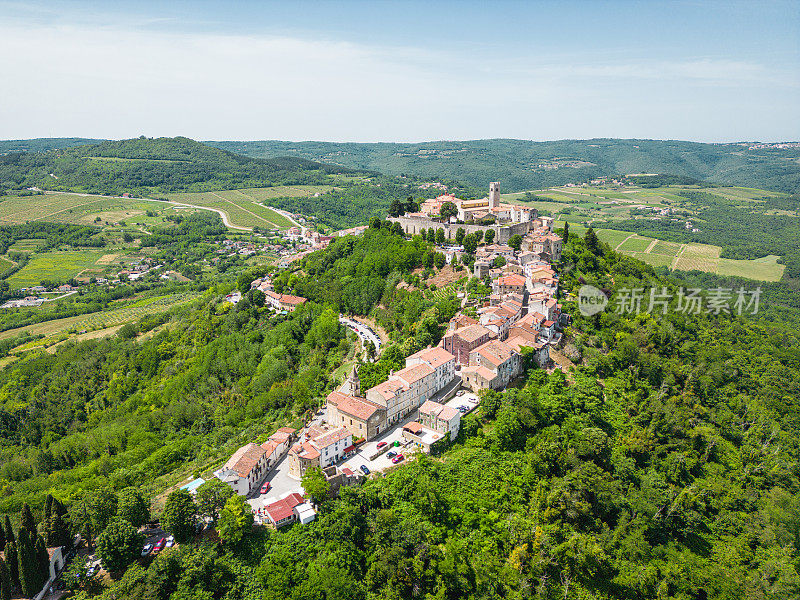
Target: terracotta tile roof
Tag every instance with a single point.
(279, 437)
(472, 333)
(448, 413)
(429, 407)
(269, 447)
(357, 407)
(281, 510)
(388, 389)
(435, 356)
(289, 299)
(482, 371)
(462, 321)
(413, 427)
(245, 459)
(288, 430)
(307, 451)
(414, 373)
(494, 352)
(330, 437)
(513, 279)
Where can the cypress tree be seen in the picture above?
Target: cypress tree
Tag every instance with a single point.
(12, 563)
(2, 538)
(7, 529)
(58, 532)
(28, 522)
(42, 560)
(5, 581)
(48, 507)
(28, 571)
(58, 508)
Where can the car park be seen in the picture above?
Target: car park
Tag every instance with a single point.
(381, 445)
(265, 487)
(365, 469)
(391, 454)
(397, 459)
(146, 550)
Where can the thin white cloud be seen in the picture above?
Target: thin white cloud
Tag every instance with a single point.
(120, 82)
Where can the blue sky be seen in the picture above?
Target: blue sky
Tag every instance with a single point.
(401, 71)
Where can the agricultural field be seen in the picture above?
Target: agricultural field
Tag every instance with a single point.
(56, 266)
(244, 207)
(5, 264)
(685, 257)
(79, 209)
(81, 325)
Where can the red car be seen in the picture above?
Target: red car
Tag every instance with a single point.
(381, 445)
(265, 487)
(398, 458)
(159, 546)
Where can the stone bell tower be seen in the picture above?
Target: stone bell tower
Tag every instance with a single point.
(352, 385)
(494, 194)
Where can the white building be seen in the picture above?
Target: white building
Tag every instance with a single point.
(244, 469)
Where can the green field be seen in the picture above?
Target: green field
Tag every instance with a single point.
(685, 257)
(243, 207)
(78, 209)
(5, 264)
(54, 266)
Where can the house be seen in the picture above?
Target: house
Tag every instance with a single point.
(420, 436)
(244, 470)
(277, 445)
(426, 373)
(441, 418)
(321, 447)
(519, 338)
(509, 284)
(461, 342)
(492, 365)
(290, 508)
(361, 417)
(290, 303)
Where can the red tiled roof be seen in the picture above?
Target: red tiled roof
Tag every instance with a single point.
(357, 407)
(281, 510)
(245, 459)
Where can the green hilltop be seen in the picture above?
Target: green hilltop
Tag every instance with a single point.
(146, 166)
(525, 165)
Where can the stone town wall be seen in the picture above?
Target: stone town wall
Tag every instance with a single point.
(502, 233)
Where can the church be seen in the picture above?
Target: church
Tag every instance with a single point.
(346, 408)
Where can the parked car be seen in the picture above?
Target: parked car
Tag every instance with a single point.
(265, 487)
(170, 542)
(397, 459)
(460, 393)
(91, 571)
(381, 445)
(463, 409)
(391, 454)
(159, 546)
(365, 469)
(146, 550)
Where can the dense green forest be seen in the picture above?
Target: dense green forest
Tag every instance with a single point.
(43, 144)
(147, 166)
(664, 465)
(525, 165)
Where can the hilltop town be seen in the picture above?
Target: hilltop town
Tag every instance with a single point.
(488, 345)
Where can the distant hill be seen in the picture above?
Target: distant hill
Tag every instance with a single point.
(147, 166)
(43, 144)
(525, 165)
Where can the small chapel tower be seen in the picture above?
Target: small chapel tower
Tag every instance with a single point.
(494, 194)
(352, 385)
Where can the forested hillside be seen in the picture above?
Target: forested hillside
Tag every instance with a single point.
(147, 166)
(43, 144)
(664, 465)
(526, 165)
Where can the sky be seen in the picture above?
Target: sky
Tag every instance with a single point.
(401, 71)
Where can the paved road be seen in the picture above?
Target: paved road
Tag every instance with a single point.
(366, 334)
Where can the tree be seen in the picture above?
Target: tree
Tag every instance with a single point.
(133, 507)
(212, 496)
(48, 506)
(566, 231)
(460, 233)
(235, 520)
(479, 235)
(27, 521)
(26, 559)
(127, 237)
(375, 223)
(423, 233)
(81, 519)
(439, 260)
(315, 484)
(431, 234)
(178, 515)
(5, 581)
(489, 236)
(8, 531)
(56, 531)
(397, 229)
(397, 208)
(470, 243)
(592, 243)
(515, 242)
(440, 236)
(76, 579)
(42, 561)
(448, 210)
(12, 562)
(119, 545)
(103, 508)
